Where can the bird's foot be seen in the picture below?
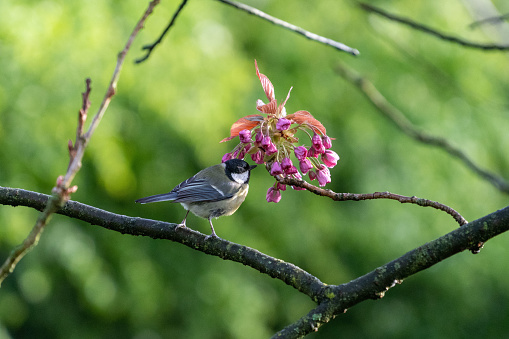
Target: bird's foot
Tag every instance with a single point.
(212, 236)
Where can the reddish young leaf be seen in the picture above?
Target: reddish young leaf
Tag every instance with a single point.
(270, 108)
(266, 84)
(247, 122)
(304, 117)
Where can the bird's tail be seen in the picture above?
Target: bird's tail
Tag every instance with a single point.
(159, 197)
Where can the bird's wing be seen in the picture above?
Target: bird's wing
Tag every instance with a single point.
(196, 190)
(159, 197)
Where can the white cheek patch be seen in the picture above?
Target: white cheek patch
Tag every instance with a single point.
(240, 177)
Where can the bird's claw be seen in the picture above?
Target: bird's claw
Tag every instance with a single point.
(213, 235)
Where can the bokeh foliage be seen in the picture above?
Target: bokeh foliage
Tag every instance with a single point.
(164, 125)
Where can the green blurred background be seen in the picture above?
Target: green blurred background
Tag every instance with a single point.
(165, 124)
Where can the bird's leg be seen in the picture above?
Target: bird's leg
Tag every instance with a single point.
(213, 235)
(183, 223)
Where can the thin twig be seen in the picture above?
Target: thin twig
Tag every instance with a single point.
(150, 48)
(431, 31)
(62, 191)
(370, 196)
(291, 27)
(399, 119)
(491, 20)
(379, 195)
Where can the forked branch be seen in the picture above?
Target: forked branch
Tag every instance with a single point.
(62, 191)
(431, 31)
(332, 300)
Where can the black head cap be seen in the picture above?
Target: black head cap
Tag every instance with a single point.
(237, 166)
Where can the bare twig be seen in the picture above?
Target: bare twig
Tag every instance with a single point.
(62, 191)
(431, 31)
(150, 48)
(370, 196)
(399, 119)
(332, 300)
(312, 36)
(379, 195)
(491, 20)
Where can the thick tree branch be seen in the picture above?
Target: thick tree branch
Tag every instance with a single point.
(431, 31)
(332, 300)
(289, 273)
(399, 120)
(376, 283)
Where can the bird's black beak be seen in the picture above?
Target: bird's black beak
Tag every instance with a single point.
(252, 167)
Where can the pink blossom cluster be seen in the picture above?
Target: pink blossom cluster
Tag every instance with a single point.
(270, 139)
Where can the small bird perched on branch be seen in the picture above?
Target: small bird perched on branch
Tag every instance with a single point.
(211, 193)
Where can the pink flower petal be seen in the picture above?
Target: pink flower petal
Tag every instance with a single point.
(300, 152)
(273, 195)
(330, 158)
(245, 136)
(305, 166)
(276, 169)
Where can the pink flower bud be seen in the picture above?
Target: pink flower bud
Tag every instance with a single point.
(316, 140)
(312, 153)
(319, 149)
(276, 169)
(317, 144)
(244, 151)
(286, 163)
(323, 176)
(273, 195)
(291, 170)
(330, 158)
(312, 175)
(283, 124)
(245, 136)
(258, 157)
(288, 167)
(297, 188)
(226, 157)
(300, 152)
(266, 141)
(270, 148)
(305, 165)
(258, 139)
(327, 142)
(280, 186)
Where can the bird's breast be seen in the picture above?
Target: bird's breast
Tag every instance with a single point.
(216, 209)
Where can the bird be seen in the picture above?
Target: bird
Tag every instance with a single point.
(211, 193)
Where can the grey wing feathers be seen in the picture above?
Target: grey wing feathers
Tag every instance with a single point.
(191, 190)
(158, 197)
(196, 190)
